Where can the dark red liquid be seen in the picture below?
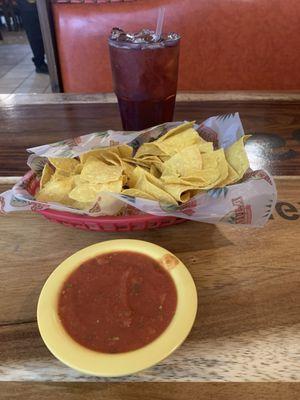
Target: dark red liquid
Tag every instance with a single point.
(145, 82)
(138, 115)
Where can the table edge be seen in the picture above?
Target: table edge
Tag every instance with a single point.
(109, 98)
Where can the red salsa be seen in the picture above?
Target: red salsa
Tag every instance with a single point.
(117, 302)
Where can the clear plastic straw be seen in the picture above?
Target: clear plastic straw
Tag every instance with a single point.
(159, 23)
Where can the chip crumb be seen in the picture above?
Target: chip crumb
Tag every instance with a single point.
(114, 338)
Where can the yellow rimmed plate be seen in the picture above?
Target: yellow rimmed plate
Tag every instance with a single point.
(63, 347)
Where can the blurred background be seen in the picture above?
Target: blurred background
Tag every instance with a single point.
(20, 71)
(226, 44)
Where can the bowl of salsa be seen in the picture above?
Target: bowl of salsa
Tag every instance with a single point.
(117, 307)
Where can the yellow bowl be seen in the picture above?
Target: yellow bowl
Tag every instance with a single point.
(71, 353)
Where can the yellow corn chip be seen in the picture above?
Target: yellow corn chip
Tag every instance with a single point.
(175, 131)
(202, 179)
(46, 175)
(148, 160)
(121, 150)
(125, 151)
(127, 173)
(57, 191)
(231, 178)
(137, 193)
(61, 174)
(206, 147)
(97, 153)
(96, 171)
(66, 165)
(88, 192)
(151, 149)
(78, 169)
(184, 163)
(147, 183)
(181, 193)
(236, 156)
(110, 158)
(135, 161)
(155, 171)
(85, 192)
(180, 141)
(217, 160)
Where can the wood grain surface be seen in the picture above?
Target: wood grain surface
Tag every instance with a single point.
(154, 391)
(248, 281)
(231, 95)
(275, 126)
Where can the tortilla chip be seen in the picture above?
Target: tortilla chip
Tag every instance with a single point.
(110, 158)
(66, 165)
(78, 180)
(199, 180)
(216, 160)
(175, 131)
(85, 192)
(148, 160)
(46, 175)
(135, 161)
(116, 155)
(125, 151)
(57, 190)
(121, 151)
(97, 153)
(180, 141)
(206, 147)
(137, 193)
(61, 174)
(159, 194)
(88, 192)
(231, 178)
(181, 193)
(184, 163)
(164, 158)
(115, 186)
(96, 171)
(78, 169)
(147, 183)
(150, 149)
(236, 156)
(127, 172)
(155, 171)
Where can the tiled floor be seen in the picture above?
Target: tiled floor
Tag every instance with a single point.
(17, 72)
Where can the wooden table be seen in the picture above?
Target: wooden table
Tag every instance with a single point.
(248, 323)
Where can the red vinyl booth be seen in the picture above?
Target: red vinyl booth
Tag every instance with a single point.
(226, 44)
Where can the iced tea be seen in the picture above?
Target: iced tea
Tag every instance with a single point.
(145, 75)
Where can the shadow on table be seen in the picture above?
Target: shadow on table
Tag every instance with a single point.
(186, 237)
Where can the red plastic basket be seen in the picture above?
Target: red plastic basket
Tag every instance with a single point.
(136, 222)
(110, 224)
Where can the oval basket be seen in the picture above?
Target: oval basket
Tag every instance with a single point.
(110, 224)
(137, 222)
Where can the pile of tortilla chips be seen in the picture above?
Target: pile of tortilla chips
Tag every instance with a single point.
(171, 169)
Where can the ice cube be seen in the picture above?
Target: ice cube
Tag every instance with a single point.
(144, 36)
(116, 33)
(172, 36)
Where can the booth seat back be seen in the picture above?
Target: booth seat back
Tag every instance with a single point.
(226, 44)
